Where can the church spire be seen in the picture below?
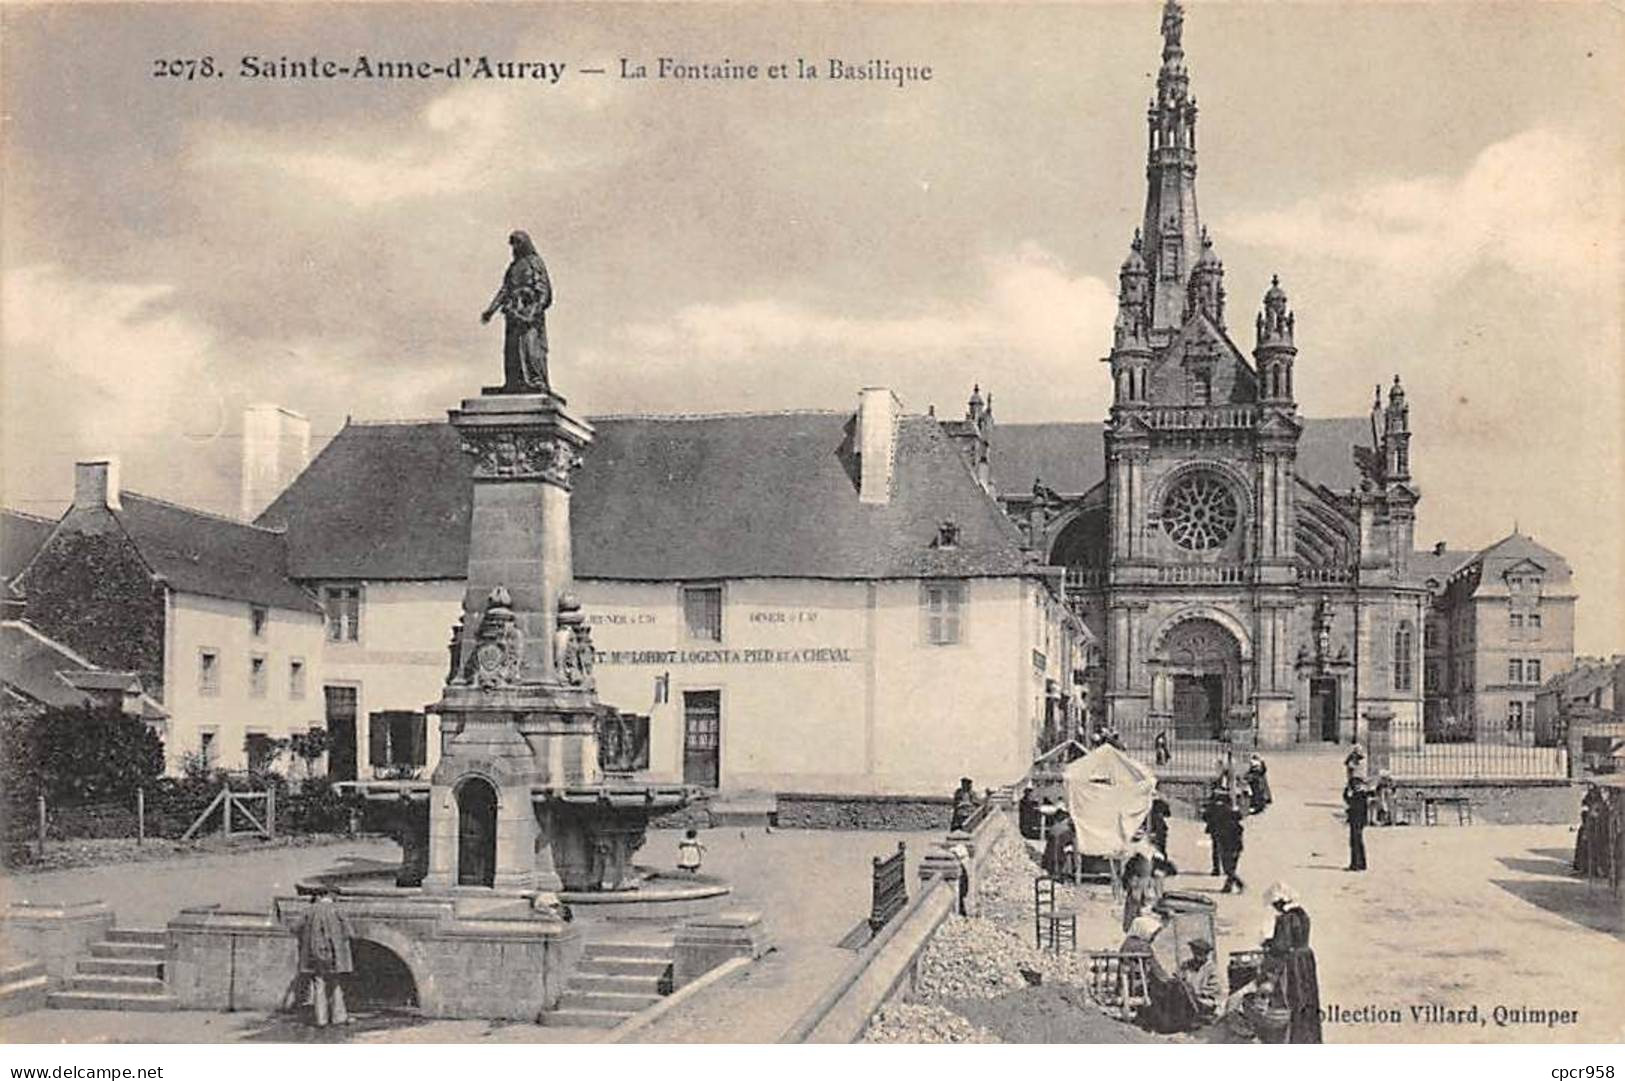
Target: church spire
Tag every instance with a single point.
(1172, 230)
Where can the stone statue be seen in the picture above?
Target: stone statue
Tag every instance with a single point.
(523, 301)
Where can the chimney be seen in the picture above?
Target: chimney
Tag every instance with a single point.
(96, 484)
(878, 410)
(276, 448)
(1438, 548)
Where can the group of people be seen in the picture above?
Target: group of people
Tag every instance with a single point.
(1596, 844)
(1276, 1001)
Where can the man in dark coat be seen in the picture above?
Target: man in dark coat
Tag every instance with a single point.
(1227, 838)
(964, 805)
(1356, 802)
(1211, 814)
(324, 956)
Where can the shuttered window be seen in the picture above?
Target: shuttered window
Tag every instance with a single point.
(702, 612)
(397, 738)
(942, 604)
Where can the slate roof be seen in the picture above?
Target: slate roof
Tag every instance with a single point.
(29, 663)
(659, 499)
(1493, 562)
(20, 537)
(197, 552)
(1070, 457)
(1438, 565)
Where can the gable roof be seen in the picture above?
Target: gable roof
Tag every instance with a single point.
(20, 537)
(202, 553)
(657, 499)
(1071, 457)
(1438, 565)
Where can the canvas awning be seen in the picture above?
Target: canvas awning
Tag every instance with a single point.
(1108, 795)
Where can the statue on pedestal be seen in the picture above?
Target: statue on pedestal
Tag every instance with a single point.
(523, 299)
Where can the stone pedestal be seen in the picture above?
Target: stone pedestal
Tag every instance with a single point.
(1379, 733)
(57, 935)
(705, 942)
(518, 711)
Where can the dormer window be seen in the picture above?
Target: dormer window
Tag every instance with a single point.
(947, 535)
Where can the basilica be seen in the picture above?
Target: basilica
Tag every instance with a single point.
(1243, 571)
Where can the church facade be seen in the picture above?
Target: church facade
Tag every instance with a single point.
(1245, 572)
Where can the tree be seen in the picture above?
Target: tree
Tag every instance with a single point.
(83, 754)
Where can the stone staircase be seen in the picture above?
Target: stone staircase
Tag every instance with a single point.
(614, 980)
(23, 985)
(125, 971)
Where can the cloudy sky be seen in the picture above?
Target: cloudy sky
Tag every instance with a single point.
(1437, 185)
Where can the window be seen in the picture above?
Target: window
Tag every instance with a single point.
(1404, 662)
(205, 749)
(942, 603)
(1516, 620)
(256, 676)
(1429, 637)
(702, 612)
(397, 738)
(257, 617)
(261, 750)
(1514, 716)
(1534, 621)
(296, 679)
(1531, 668)
(208, 672)
(343, 605)
(1515, 671)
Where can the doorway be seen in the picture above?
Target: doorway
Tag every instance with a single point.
(476, 833)
(341, 704)
(1199, 706)
(1323, 706)
(702, 738)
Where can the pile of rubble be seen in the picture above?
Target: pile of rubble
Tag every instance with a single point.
(913, 1022)
(972, 958)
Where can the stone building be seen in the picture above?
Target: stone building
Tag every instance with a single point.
(1245, 570)
(1501, 624)
(820, 603)
(195, 609)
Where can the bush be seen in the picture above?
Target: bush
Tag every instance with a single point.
(77, 754)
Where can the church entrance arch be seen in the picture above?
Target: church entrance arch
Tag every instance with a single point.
(476, 833)
(1200, 665)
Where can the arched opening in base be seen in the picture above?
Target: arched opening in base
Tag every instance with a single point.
(381, 980)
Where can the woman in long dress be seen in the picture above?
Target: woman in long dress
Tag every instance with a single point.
(1289, 964)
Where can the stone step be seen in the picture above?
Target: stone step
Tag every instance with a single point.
(141, 985)
(154, 935)
(650, 950)
(622, 966)
(630, 985)
(613, 1001)
(582, 1018)
(133, 951)
(110, 1000)
(23, 985)
(120, 966)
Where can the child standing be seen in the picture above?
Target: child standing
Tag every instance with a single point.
(690, 852)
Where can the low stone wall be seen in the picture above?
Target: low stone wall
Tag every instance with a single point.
(813, 811)
(1509, 802)
(889, 965)
(498, 967)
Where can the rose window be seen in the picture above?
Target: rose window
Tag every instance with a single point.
(1200, 513)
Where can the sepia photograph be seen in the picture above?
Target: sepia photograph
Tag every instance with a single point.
(792, 523)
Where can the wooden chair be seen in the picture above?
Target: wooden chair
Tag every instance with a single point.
(1119, 983)
(1051, 928)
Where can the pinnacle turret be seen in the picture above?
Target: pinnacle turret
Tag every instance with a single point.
(1172, 229)
(1275, 351)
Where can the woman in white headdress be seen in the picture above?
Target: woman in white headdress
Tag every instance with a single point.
(1289, 965)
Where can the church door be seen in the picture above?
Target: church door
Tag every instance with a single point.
(1198, 700)
(1323, 706)
(476, 833)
